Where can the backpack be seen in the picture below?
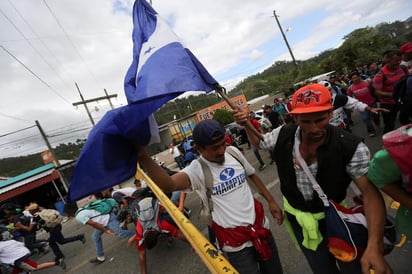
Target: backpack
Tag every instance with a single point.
(402, 92)
(143, 206)
(398, 143)
(50, 217)
(103, 206)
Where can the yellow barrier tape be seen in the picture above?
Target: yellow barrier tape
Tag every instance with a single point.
(214, 261)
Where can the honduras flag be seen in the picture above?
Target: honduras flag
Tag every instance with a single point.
(161, 70)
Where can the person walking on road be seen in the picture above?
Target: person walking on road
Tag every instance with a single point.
(238, 219)
(177, 155)
(384, 82)
(335, 158)
(102, 223)
(258, 127)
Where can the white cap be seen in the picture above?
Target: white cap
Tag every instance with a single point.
(326, 84)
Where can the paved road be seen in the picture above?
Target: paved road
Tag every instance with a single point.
(181, 259)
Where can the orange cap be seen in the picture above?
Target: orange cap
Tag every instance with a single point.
(311, 98)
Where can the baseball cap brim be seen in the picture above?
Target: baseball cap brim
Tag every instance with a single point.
(310, 110)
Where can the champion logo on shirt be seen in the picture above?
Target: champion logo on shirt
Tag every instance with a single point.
(229, 181)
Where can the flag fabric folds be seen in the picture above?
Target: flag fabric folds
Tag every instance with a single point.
(161, 70)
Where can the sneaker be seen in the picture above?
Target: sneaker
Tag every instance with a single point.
(262, 167)
(82, 238)
(96, 261)
(61, 263)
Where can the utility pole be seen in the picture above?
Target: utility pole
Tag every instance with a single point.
(284, 38)
(55, 160)
(84, 102)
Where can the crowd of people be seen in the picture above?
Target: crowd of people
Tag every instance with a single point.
(309, 130)
(18, 243)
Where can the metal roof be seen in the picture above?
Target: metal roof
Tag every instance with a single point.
(27, 175)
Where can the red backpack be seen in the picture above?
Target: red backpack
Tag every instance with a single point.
(398, 143)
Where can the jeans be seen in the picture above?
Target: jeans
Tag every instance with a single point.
(366, 118)
(56, 237)
(175, 197)
(247, 261)
(389, 118)
(180, 162)
(322, 261)
(257, 154)
(113, 225)
(31, 243)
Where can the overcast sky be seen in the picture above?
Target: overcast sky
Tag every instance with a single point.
(48, 45)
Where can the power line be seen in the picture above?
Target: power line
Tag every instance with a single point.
(13, 117)
(33, 73)
(16, 131)
(38, 37)
(70, 40)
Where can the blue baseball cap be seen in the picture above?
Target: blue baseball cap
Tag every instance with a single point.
(208, 132)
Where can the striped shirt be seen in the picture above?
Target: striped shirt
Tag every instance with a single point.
(387, 83)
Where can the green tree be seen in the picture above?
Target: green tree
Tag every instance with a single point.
(223, 116)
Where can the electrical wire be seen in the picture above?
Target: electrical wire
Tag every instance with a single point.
(33, 73)
(70, 40)
(42, 42)
(16, 131)
(14, 117)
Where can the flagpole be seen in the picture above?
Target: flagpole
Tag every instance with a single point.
(222, 92)
(214, 261)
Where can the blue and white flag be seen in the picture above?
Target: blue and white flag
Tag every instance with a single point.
(161, 70)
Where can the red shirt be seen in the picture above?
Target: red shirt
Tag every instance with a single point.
(255, 124)
(361, 92)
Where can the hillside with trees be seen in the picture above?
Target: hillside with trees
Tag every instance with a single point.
(360, 47)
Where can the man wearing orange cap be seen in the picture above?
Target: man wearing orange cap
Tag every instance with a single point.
(335, 158)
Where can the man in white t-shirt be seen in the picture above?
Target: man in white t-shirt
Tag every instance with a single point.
(238, 220)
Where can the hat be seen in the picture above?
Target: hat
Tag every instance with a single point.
(208, 132)
(311, 98)
(32, 206)
(406, 48)
(326, 84)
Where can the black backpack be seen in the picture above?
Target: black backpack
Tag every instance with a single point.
(402, 92)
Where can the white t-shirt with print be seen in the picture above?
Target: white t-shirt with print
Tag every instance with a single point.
(232, 197)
